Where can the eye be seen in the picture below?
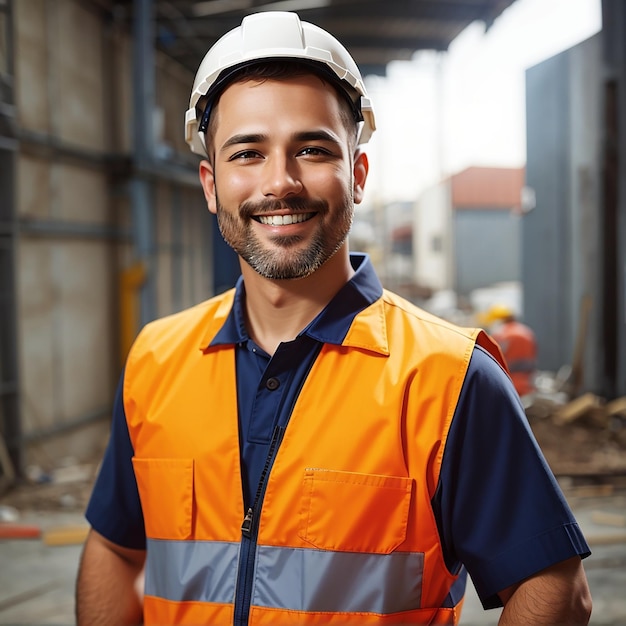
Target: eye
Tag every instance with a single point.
(314, 151)
(245, 155)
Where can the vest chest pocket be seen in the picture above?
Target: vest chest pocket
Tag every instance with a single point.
(352, 512)
(166, 493)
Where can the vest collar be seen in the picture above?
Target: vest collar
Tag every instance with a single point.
(353, 318)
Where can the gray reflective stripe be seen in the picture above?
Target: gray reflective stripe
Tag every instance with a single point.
(287, 578)
(317, 580)
(205, 571)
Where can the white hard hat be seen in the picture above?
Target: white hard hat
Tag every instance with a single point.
(274, 35)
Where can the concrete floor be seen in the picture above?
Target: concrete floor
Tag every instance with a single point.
(37, 580)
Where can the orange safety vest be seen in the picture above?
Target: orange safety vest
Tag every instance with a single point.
(346, 532)
(519, 347)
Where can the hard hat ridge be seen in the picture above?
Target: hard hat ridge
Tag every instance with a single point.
(280, 36)
(229, 75)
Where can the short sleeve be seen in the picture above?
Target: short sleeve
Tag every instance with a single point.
(114, 509)
(499, 509)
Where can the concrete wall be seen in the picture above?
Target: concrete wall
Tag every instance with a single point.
(73, 86)
(64, 282)
(59, 73)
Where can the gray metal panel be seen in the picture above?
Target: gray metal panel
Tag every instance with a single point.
(562, 250)
(487, 248)
(585, 119)
(546, 257)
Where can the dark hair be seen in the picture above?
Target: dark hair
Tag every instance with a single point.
(277, 69)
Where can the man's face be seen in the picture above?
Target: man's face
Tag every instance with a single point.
(283, 181)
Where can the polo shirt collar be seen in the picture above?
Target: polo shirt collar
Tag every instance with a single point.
(334, 324)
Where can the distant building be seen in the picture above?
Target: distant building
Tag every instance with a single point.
(467, 232)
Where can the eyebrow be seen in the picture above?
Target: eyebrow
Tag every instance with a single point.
(309, 135)
(236, 140)
(317, 135)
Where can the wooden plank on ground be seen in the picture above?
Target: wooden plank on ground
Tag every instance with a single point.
(7, 471)
(576, 408)
(591, 491)
(606, 540)
(608, 519)
(66, 535)
(616, 406)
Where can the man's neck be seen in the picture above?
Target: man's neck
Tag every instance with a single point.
(278, 310)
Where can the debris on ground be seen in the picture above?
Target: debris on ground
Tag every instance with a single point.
(578, 435)
(608, 519)
(66, 488)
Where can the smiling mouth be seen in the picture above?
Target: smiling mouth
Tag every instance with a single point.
(283, 220)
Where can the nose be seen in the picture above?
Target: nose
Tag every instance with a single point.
(281, 177)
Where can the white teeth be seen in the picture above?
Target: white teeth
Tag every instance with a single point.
(282, 220)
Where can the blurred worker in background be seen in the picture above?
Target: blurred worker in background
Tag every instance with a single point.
(518, 344)
(309, 448)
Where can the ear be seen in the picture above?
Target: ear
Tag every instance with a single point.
(207, 180)
(361, 168)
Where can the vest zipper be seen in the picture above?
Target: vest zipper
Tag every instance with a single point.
(250, 524)
(249, 531)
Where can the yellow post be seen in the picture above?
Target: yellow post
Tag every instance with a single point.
(131, 279)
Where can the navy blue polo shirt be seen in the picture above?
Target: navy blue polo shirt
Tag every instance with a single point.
(498, 508)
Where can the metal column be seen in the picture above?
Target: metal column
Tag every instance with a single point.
(614, 196)
(10, 425)
(141, 191)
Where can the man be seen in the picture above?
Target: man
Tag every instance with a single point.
(518, 344)
(308, 448)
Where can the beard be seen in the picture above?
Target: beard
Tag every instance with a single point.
(284, 257)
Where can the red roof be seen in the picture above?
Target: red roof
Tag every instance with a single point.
(488, 188)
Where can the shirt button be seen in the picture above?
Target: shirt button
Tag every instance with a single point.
(272, 383)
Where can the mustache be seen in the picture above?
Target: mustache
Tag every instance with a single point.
(268, 205)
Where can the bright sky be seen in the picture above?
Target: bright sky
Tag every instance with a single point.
(443, 112)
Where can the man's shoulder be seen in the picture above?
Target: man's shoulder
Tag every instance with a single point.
(443, 336)
(198, 323)
(413, 313)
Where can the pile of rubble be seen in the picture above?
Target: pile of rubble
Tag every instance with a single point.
(582, 435)
(65, 488)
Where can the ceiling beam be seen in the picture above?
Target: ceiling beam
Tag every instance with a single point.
(375, 31)
(439, 10)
